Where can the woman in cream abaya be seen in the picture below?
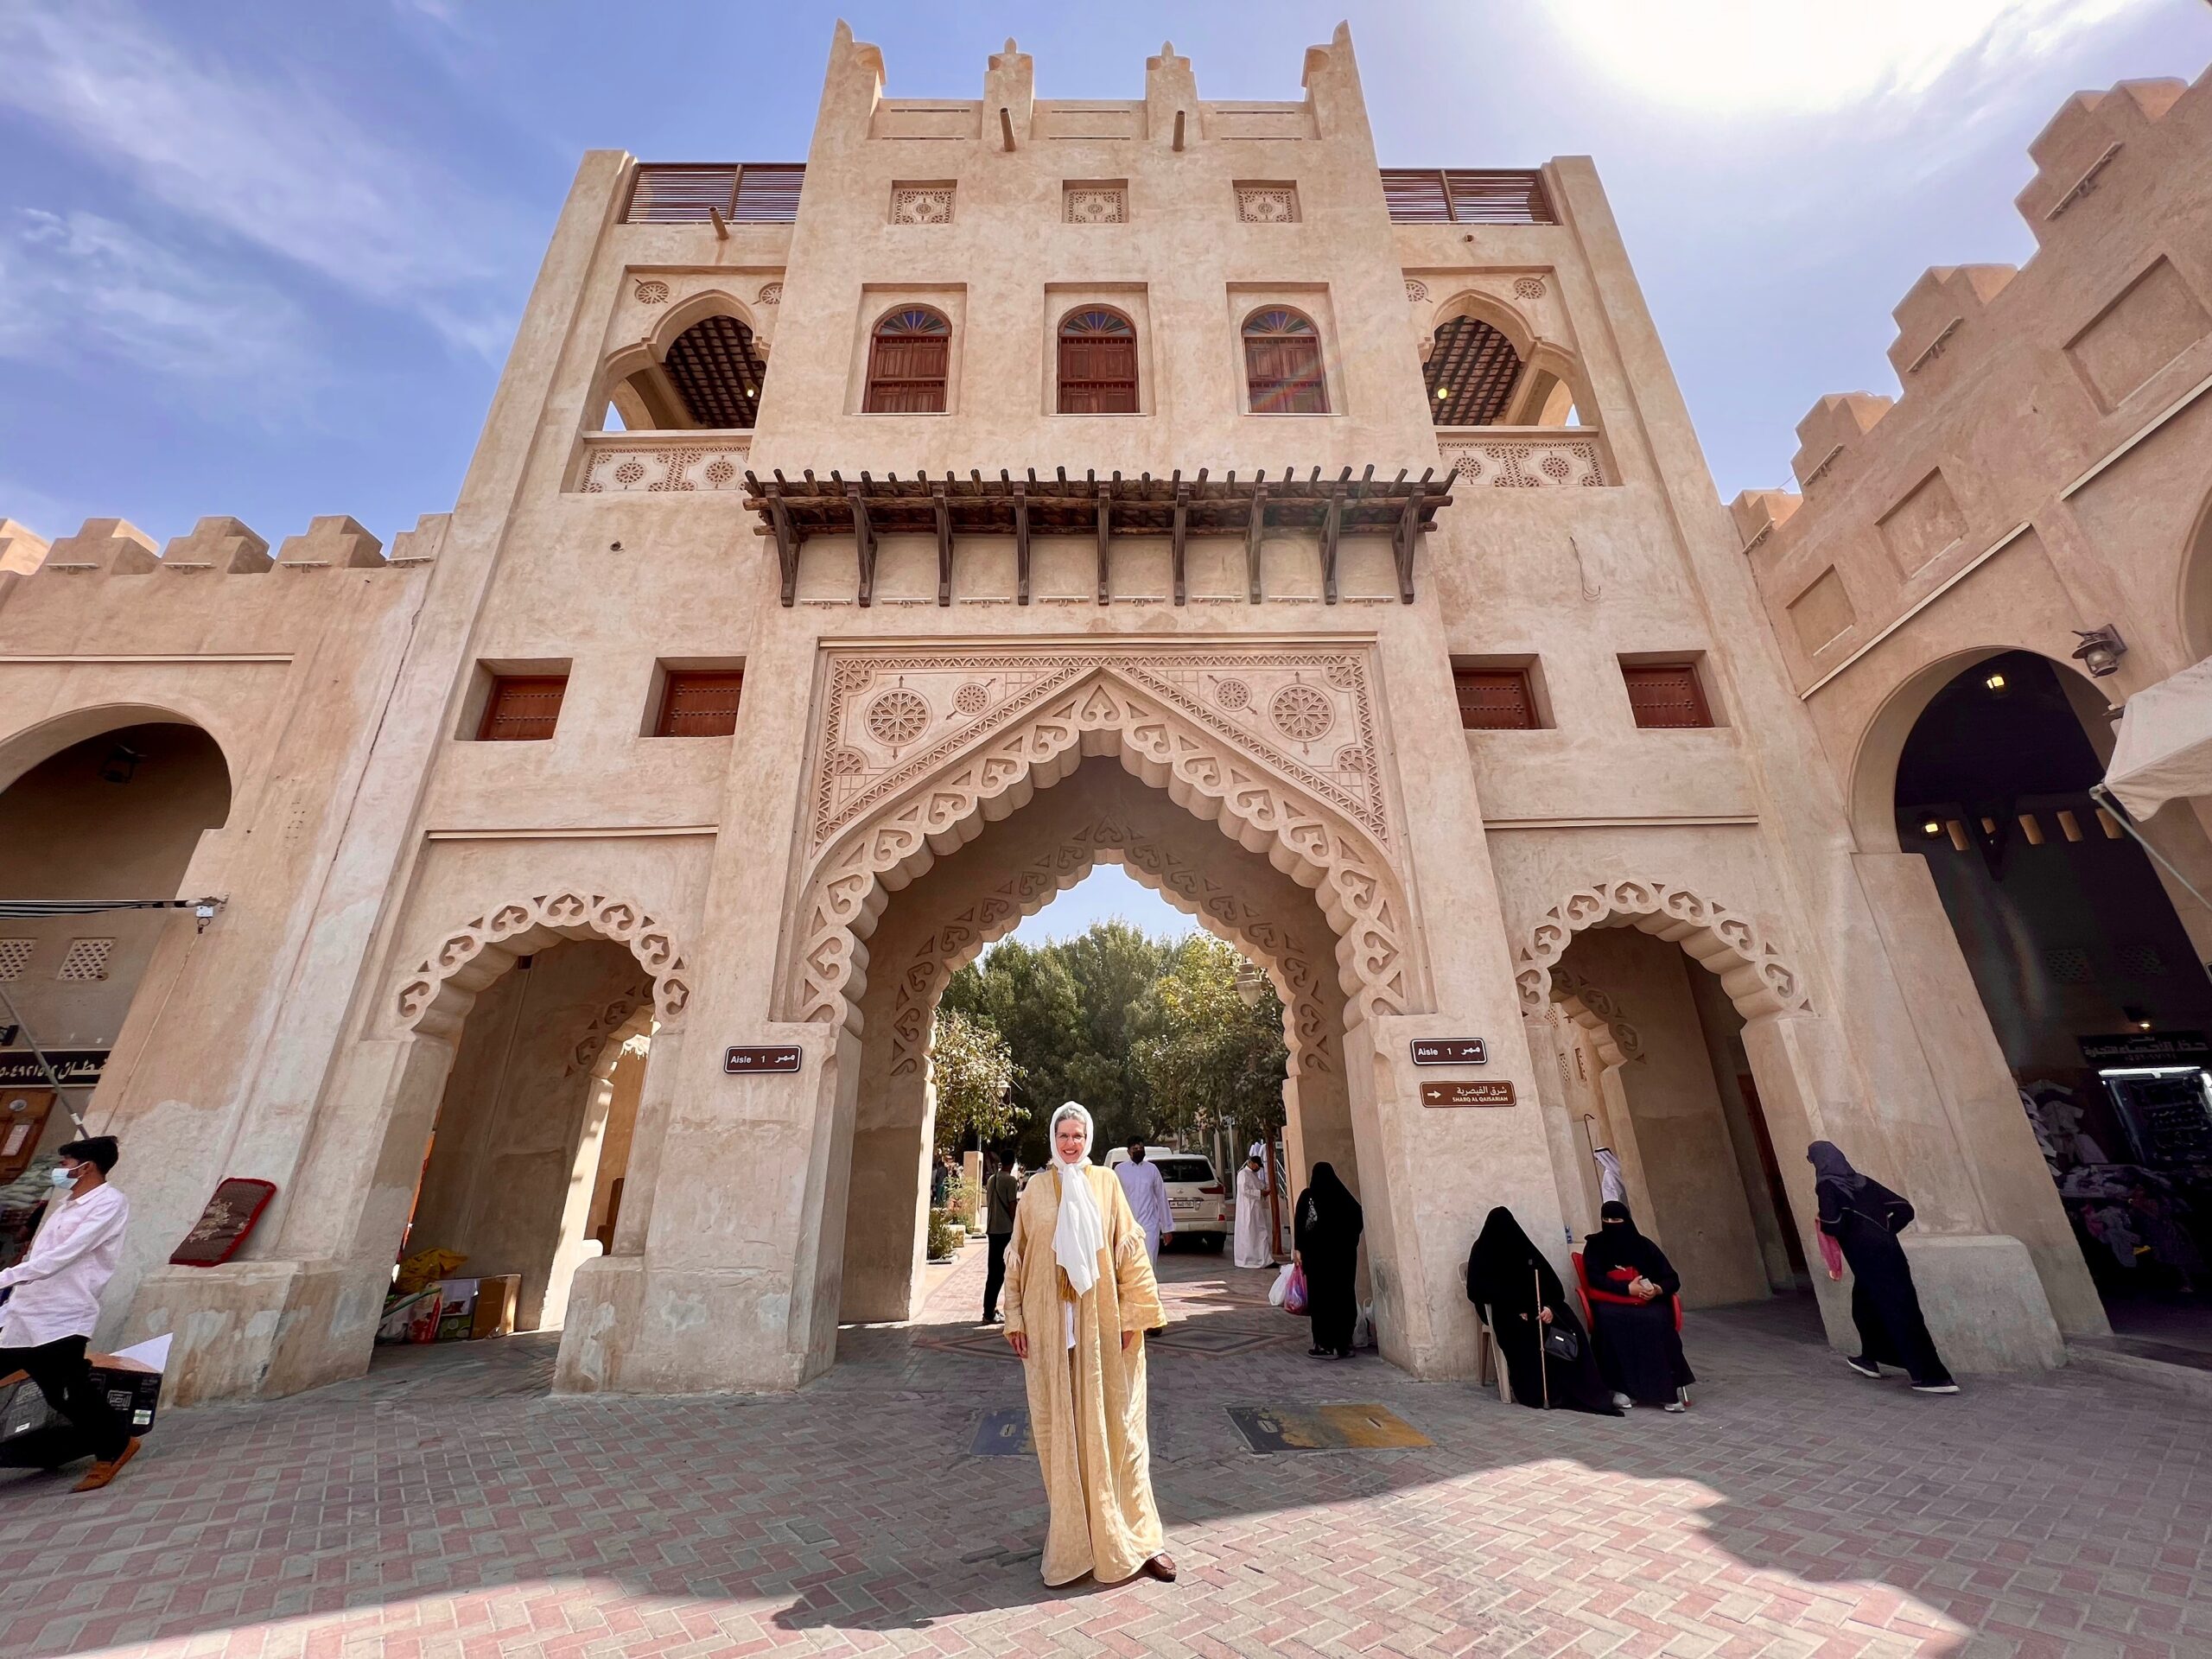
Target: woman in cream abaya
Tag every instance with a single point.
(1079, 1297)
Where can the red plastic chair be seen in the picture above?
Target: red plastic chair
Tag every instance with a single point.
(1590, 1294)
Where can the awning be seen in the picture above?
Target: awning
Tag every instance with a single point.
(2164, 747)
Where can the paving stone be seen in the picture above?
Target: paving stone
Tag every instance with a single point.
(443, 1507)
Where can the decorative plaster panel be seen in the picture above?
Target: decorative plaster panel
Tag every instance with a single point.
(1728, 943)
(657, 463)
(1568, 461)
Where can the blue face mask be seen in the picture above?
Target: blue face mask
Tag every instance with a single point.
(63, 1178)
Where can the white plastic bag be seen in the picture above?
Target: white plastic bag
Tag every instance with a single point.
(1280, 1288)
(1363, 1328)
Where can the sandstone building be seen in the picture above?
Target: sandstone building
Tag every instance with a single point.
(858, 553)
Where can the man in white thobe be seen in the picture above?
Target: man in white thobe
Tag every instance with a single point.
(1254, 1233)
(1147, 1196)
(53, 1301)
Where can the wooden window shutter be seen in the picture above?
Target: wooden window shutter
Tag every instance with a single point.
(1495, 699)
(1666, 694)
(908, 361)
(1098, 374)
(1284, 376)
(523, 707)
(699, 704)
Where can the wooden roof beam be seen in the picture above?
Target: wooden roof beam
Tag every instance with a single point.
(1255, 530)
(1332, 517)
(944, 543)
(1020, 543)
(1177, 532)
(863, 543)
(1105, 539)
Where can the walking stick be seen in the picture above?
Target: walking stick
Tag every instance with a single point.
(1543, 1362)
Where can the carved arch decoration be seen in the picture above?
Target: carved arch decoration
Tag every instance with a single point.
(1275, 747)
(1283, 953)
(1728, 944)
(1595, 1009)
(435, 997)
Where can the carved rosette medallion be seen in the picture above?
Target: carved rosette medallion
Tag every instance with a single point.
(904, 758)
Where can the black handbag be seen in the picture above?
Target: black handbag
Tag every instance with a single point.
(1561, 1344)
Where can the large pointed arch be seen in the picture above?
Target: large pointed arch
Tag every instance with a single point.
(919, 753)
(1279, 948)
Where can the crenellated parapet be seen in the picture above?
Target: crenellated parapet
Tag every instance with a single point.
(216, 546)
(2020, 390)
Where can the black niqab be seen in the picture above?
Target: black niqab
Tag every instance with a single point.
(1617, 1243)
(1327, 1207)
(1500, 1266)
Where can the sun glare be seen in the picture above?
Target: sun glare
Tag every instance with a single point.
(1761, 56)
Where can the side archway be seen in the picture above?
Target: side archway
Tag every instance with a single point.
(1725, 942)
(434, 998)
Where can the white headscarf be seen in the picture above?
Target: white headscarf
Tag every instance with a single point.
(1080, 1233)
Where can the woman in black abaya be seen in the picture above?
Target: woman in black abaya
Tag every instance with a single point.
(1509, 1276)
(1639, 1350)
(1860, 1219)
(1326, 1230)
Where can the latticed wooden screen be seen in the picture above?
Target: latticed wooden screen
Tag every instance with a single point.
(1283, 365)
(683, 192)
(1666, 694)
(700, 704)
(1470, 373)
(1461, 196)
(523, 707)
(1098, 363)
(1495, 699)
(907, 362)
(718, 373)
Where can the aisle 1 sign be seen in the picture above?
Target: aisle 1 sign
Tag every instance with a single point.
(1450, 1051)
(753, 1062)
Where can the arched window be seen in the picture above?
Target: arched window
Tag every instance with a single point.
(1098, 363)
(1470, 373)
(717, 372)
(907, 361)
(1282, 365)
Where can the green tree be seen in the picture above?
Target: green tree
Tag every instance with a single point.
(1029, 998)
(973, 1071)
(1208, 1058)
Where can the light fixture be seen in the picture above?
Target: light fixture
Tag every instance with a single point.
(120, 763)
(1995, 683)
(1931, 828)
(2138, 1017)
(2101, 650)
(1248, 985)
(1442, 392)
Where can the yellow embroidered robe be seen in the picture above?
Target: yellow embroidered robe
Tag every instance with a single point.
(1088, 1423)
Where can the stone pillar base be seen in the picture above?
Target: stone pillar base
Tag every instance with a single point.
(1983, 1299)
(634, 1331)
(249, 1330)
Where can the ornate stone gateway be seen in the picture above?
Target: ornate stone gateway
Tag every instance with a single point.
(917, 750)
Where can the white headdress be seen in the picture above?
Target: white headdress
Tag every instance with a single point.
(1080, 1233)
(1258, 1151)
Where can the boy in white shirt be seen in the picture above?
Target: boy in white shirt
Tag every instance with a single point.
(53, 1301)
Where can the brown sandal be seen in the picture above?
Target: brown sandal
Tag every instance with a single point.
(1161, 1566)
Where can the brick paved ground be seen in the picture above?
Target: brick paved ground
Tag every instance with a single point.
(443, 1505)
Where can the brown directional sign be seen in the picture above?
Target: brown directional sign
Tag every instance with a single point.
(1450, 1051)
(752, 1062)
(1467, 1094)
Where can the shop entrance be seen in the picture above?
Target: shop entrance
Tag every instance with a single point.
(523, 1177)
(114, 816)
(2092, 982)
(1655, 1073)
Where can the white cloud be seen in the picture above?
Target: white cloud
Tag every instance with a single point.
(274, 165)
(84, 284)
(1759, 58)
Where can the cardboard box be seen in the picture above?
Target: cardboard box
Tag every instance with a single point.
(456, 1309)
(495, 1304)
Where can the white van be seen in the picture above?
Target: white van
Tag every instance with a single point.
(1196, 1196)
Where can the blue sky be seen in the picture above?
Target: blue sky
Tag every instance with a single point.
(265, 259)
